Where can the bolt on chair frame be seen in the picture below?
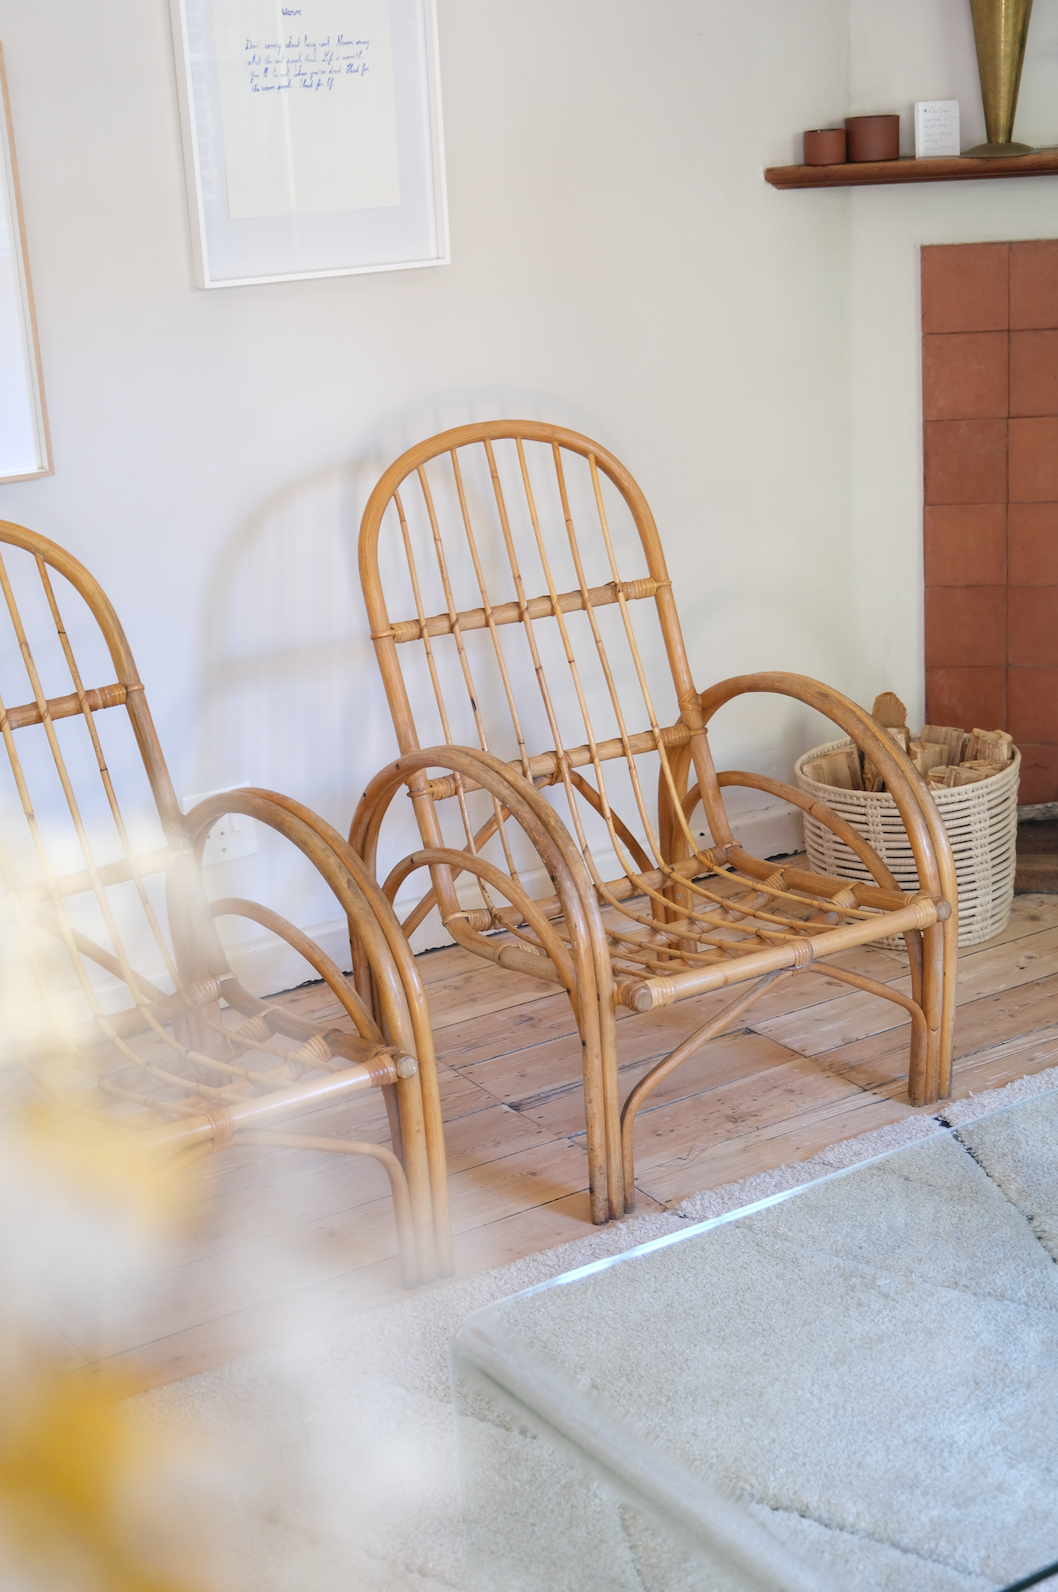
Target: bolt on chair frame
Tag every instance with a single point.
(475, 507)
(180, 1070)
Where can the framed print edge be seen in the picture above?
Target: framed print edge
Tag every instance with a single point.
(314, 276)
(433, 78)
(192, 179)
(196, 205)
(9, 175)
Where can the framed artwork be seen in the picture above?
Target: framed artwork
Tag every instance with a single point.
(312, 137)
(25, 446)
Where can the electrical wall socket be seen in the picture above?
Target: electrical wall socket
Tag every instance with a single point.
(233, 835)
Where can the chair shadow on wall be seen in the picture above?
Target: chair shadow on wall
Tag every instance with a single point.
(289, 696)
(285, 641)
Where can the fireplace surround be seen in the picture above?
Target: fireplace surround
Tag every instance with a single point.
(990, 425)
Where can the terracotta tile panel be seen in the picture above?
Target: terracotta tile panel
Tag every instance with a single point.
(1033, 283)
(977, 462)
(966, 460)
(1032, 625)
(964, 375)
(1033, 373)
(1033, 460)
(1032, 543)
(965, 626)
(967, 696)
(1032, 696)
(964, 287)
(966, 544)
(1039, 775)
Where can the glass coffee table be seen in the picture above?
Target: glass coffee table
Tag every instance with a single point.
(854, 1384)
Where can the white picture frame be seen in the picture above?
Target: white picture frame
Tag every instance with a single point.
(25, 442)
(311, 148)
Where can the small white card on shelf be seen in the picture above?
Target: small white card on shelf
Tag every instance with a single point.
(936, 128)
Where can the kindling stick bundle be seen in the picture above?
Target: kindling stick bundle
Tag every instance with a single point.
(945, 756)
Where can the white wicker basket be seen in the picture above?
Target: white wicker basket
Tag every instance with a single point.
(982, 825)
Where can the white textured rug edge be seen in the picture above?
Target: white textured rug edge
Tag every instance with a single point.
(335, 1455)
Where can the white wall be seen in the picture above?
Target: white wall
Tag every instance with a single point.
(618, 265)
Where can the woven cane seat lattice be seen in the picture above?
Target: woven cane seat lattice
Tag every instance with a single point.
(554, 746)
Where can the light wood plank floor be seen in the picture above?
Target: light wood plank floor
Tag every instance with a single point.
(279, 1241)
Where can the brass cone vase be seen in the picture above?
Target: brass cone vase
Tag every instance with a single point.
(1001, 28)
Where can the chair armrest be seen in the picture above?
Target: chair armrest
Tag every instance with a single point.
(925, 830)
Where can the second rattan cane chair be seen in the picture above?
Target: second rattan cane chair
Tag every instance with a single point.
(525, 625)
(103, 904)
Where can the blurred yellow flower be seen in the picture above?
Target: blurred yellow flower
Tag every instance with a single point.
(102, 1163)
(71, 1463)
(91, 1500)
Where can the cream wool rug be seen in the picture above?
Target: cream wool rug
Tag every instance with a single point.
(333, 1463)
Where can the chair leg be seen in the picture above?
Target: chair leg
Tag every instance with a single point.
(950, 976)
(621, 1197)
(597, 1026)
(938, 1001)
(435, 1155)
(389, 1095)
(921, 1063)
(923, 1049)
(598, 1017)
(593, 1068)
(417, 1170)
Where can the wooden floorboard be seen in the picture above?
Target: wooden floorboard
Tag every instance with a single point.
(277, 1241)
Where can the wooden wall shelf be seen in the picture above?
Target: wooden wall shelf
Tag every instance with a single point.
(870, 173)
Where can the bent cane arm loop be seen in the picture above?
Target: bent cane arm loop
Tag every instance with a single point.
(317, 959)
(315, 839)
(427, 903)
(463, 862)
(402, 1007)
(926, 834)
(588, 947)
(826, 815)
(534, 815)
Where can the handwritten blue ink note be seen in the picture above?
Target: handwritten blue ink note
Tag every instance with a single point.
(308, 112)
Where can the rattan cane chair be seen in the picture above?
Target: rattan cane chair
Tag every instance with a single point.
(102, 899)
(523, 616)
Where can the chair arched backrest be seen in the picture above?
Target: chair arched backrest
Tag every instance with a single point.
(520, 603)
(84, 866)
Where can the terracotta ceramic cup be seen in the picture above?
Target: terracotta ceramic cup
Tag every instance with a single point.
(825, 146)
(872, 137)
